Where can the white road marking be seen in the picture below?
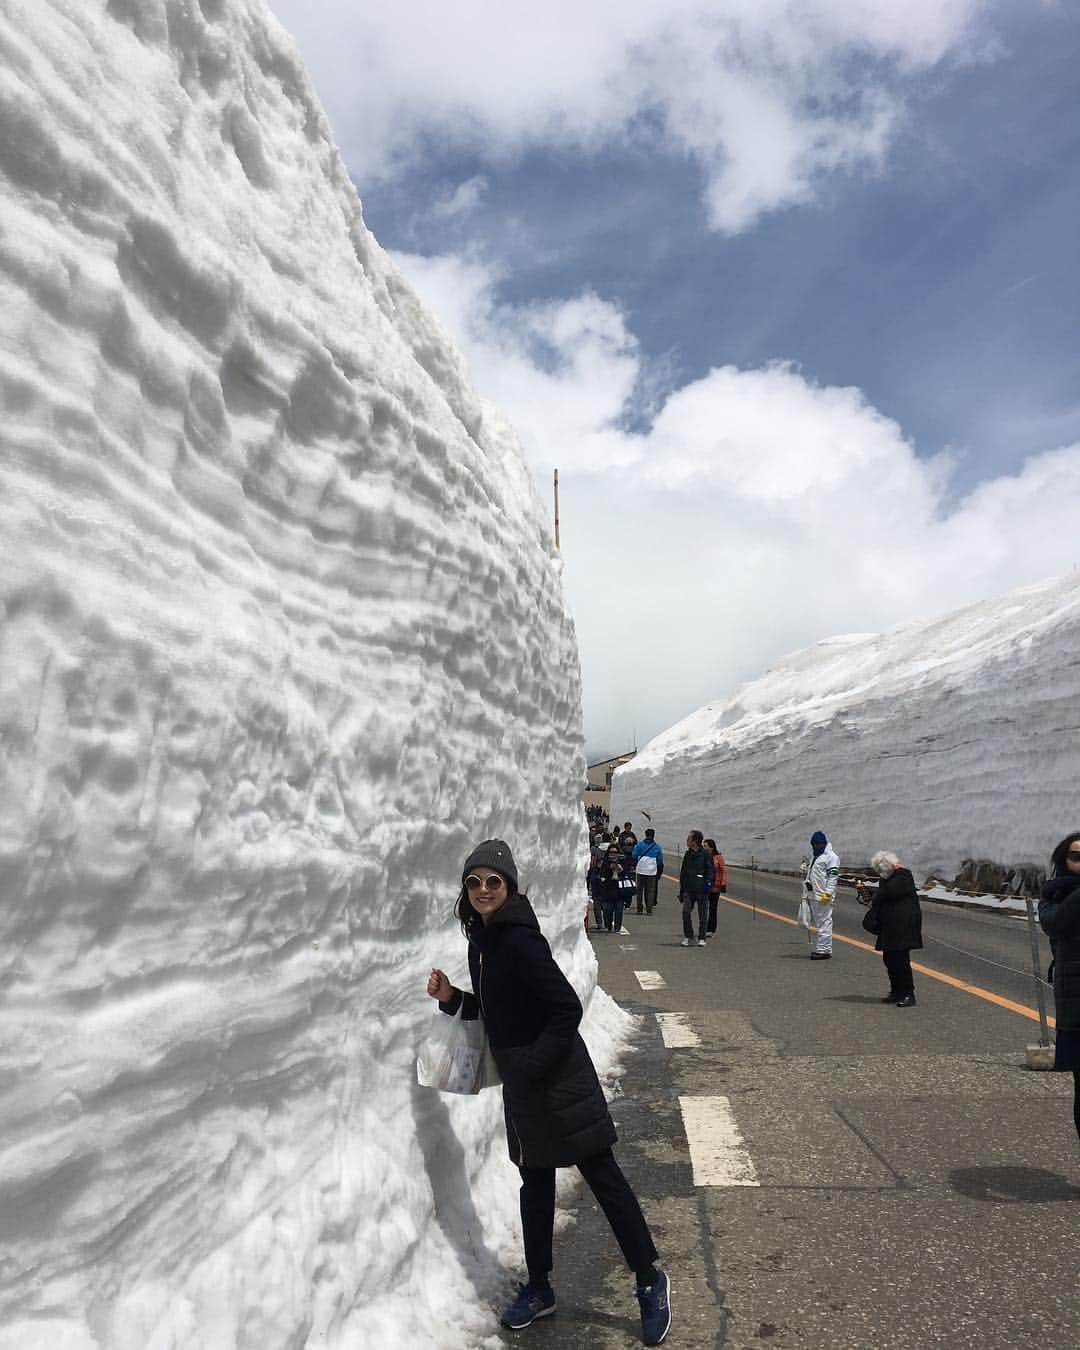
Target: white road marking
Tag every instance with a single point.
(628, 946)
(650, 979)
(677, 1032)
(718, 1155)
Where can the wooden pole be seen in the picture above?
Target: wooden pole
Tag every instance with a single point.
(556, 508)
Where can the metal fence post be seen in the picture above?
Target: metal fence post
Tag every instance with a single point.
(1038, 1056)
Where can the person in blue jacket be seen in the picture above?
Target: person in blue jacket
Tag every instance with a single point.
(1059, 914)
(553, 1105)
(648, 859)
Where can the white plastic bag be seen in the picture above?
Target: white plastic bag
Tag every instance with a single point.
(804, 912)
(455, 1057)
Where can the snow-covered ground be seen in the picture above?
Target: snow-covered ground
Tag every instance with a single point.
(942, 741)
(283, 633)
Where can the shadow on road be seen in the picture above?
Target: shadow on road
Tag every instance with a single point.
(1012, 1185)
(853, 998)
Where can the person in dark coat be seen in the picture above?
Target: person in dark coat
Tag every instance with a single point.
(554, 1108)
(608, 877)
(1059, 914)
(900, 913)
(695, 883)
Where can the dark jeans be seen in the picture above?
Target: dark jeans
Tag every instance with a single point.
(615, 1198)
(714, 905)
(689, 904)
(646, 893)
(901, 980)
(612, 913)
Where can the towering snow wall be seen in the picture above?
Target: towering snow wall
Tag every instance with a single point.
(942, 741)
(281, 634)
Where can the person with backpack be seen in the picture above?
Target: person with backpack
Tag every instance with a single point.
(648, 859)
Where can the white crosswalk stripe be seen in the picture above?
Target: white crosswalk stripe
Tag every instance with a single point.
(650, 979)
(677, 1032)
(718, 1155)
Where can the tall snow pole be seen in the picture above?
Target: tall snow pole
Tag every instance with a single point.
(557, 508)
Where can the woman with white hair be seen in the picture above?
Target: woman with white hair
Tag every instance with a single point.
(900, 916)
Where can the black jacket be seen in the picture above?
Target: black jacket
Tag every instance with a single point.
(1059, 914)
(696, 874)
(608, 879)
(555, 1110)
(897, 904)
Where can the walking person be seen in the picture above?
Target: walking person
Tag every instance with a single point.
(695, 882)
(718, 887)
(648, 859)
(822, 878)
(900, 916)
(1059, 914)
(609, 879)
(553, 1105)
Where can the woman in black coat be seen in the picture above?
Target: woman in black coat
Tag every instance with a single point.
(609, 874)
(553, 1105)
(900, 915)
(1059, 914)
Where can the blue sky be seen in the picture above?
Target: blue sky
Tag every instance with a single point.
(772, 283)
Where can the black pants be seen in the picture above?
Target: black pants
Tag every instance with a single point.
(1076, 1100)
(714, 905)
(901, 980)
(689, 905)
(646, 893)
(615, 1198)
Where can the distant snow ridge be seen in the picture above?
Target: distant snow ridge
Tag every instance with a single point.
(282, 633)
(954, 739)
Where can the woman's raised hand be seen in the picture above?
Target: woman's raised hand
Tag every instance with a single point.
(438, 986)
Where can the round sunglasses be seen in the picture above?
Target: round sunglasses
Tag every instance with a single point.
(492, 883)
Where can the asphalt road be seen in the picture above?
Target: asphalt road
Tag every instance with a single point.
(983, 948)
(916, 1185)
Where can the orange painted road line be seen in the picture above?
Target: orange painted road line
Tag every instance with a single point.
(1007, 1003)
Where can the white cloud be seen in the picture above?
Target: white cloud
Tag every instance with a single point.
(464, 199)
(767, 95)
(759, 512)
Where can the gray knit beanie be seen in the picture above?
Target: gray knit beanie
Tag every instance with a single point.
(493, 853)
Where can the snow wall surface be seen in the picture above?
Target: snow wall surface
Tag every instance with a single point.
(282, 634)
(941, 741)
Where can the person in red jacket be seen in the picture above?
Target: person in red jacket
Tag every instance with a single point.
(719, 884)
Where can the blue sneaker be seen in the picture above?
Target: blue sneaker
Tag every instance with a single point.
(655, 1300)
(528, 1306)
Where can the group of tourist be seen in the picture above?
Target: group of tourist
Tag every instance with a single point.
(625, 871)
(554, 1107)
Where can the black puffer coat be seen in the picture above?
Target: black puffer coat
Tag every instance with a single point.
(1059, 914)
(555, 1110)
(897, 904)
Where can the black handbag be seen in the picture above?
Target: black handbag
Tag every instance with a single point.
(871, 920)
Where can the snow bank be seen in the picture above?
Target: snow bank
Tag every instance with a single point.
(282, 634)
(942, 741)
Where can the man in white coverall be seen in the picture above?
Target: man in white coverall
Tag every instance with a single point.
(822, 877)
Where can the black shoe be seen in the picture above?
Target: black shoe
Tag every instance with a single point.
(530, 1304)
(891, 998)
(821, 956)
(908, 1001)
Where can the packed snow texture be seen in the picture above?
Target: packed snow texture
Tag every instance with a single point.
(941, 741)
(283, 633)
